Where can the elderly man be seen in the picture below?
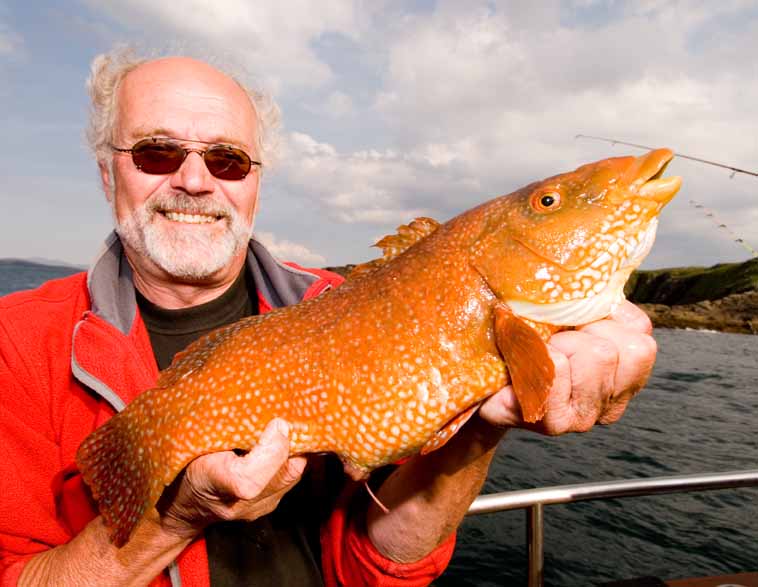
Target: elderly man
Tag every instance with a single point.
(179, 147)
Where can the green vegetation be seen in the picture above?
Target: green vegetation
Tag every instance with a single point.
(689, 285)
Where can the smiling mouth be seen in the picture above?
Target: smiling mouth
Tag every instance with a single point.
(184, 218)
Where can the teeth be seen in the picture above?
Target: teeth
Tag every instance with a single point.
(190, 218)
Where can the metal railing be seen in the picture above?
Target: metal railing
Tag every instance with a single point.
(535, 500)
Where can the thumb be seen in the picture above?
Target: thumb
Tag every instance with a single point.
(255, 470)
(502, 409)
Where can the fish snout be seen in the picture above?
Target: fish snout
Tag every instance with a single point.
(649, 170)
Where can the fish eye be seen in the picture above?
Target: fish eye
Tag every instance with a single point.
(546, 201)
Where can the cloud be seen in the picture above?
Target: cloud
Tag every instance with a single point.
(272, 39)
(10, 41)
(339, 105)
(377, 187)
(499, 94)
(289, 251)
(394, 110)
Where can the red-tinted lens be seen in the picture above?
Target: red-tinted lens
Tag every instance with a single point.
(158, 157)
(227, 162)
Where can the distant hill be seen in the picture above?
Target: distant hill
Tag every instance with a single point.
(689, 285)
(723, 297)
(19, 274)
(42, 261)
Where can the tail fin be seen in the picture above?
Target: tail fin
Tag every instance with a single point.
(121, 464)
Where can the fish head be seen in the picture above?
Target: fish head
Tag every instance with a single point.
(560, 250)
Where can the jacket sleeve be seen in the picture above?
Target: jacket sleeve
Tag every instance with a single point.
(29, 466)
(349, 559)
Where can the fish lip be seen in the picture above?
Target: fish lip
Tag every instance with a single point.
(652, 184)
(655, 163)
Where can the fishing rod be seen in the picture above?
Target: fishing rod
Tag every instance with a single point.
(734, 170)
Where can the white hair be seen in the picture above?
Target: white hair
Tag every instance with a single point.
(109, 69)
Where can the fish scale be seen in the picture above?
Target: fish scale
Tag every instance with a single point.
(395, 360)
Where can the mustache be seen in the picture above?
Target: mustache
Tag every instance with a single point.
(178, 202)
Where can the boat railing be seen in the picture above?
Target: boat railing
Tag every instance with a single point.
(535, 500)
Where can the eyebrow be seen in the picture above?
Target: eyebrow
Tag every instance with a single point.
(145, 132)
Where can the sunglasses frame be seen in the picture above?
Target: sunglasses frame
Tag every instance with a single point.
(201, 152)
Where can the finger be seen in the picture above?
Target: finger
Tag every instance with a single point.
(558, 413)
(636, 355)
(253, 472)
(289, 474)
(593, 361)
(632, 317)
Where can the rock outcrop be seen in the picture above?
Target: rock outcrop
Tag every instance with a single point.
(723, 297)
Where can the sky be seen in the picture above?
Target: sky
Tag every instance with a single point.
(396, 109)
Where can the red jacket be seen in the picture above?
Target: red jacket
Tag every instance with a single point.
(75, 351)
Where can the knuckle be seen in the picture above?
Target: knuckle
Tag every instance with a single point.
(643, 348)
(560, 361)
(604, 351)
(248, 491)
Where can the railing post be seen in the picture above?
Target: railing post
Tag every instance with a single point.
(534, 537)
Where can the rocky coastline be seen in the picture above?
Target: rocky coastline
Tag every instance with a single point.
(736, 313)
(722, 298)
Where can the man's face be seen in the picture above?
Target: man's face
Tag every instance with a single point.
(187, 224)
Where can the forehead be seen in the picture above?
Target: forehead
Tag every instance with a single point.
(186, 99)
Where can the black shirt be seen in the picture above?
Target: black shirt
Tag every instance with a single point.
(278, 550)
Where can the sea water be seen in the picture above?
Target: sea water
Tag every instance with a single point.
(698, 414)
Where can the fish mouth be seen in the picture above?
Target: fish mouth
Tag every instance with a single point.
(649, 171)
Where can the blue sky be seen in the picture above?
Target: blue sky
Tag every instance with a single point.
(395, 109)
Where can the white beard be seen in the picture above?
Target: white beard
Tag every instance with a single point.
(184, 251)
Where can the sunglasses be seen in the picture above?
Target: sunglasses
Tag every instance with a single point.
(159, 156)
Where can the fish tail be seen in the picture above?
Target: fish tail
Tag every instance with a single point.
(120, 463)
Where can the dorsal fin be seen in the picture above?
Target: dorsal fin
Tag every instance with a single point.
(394, 244)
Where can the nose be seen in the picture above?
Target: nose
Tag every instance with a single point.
(193, 176)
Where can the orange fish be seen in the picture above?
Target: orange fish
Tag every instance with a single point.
(396, 359)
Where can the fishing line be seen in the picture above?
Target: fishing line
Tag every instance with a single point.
(708, 212)
(720, 225)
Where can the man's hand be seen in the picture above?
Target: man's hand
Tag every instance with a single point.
(598, 369)
(224, 486)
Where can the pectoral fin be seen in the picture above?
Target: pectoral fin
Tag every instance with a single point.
(529, 364)
(448, 430)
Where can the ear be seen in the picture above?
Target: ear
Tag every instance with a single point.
(257, 197)
(106, 179)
